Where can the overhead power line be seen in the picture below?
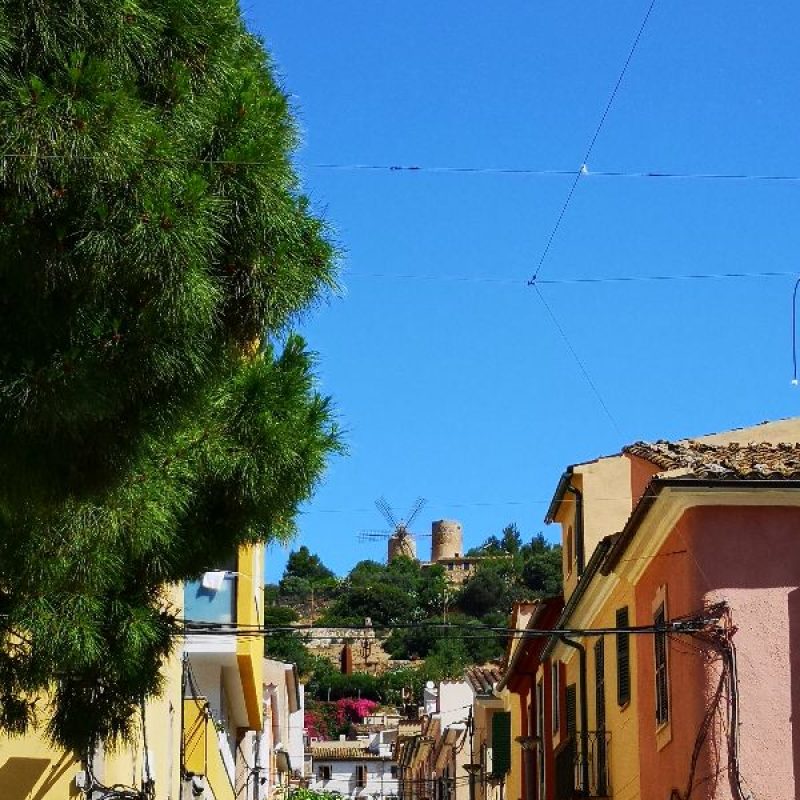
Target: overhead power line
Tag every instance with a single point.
(585, 172)
(544, 173)
(681, 625)
(584, 162)
(578, 280)
(578, 361)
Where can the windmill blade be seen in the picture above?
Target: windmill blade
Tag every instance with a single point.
(383, 506)
(418, 506)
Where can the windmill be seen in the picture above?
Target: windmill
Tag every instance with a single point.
(400, 538)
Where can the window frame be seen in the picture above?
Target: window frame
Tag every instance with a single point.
(555, 695)
(661, 667)
(623, 642)
(541, 786)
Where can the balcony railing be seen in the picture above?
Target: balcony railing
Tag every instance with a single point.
(210, 605)
(574, 766)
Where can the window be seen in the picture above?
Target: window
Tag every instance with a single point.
(556, 695)
(571, 709)
(623, 658)
(361, 775)
(395, 771)
(569, 549)
(324, 773)
(600, 715)
(662, 677)
(540, 745)
(600, 684)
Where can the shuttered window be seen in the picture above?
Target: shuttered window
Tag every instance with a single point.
(555, 686)
(662, 678)
(361, 775)
(571, 709)
(623, 658)
(599, 684)
(501, 743)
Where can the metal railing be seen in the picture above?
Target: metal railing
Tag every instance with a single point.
(590, 749)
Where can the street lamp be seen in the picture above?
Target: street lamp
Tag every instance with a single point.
(474, 771)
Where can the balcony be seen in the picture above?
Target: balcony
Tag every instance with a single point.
(582, 774)
(217, 606)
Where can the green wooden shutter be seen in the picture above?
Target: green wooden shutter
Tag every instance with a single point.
(571, 709)
(623, 658)
(501, 743)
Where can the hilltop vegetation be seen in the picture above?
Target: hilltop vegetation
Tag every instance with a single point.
(405, 601)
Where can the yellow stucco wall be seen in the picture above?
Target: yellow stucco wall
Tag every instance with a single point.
(250, 649)
(31, 769)
(621, 723)
(201, 753)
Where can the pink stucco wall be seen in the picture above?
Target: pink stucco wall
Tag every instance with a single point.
(749, 557)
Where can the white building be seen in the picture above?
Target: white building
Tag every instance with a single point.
(360, 769)
(281, 745)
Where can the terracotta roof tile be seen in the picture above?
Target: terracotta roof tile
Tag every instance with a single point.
(483, 679)
(756, 461)
(329, 751)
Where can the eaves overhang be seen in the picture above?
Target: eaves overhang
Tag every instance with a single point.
(518, 652)
(558, 495)
(658, 485)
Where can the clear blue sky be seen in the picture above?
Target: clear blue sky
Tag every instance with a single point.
(462, 391)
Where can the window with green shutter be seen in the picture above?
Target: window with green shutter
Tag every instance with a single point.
(501, 743)
(623, 658)
(571, 709)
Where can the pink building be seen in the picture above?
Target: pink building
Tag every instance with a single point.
(695, 544)
(716, 526)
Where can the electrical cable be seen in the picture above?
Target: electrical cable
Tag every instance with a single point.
(579, 362)
(794, 332)
(676, 626)
(530, 171)
(585, 172)
(576, 281)
(584, 163)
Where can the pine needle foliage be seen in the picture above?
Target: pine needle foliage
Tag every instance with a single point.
(153, 245)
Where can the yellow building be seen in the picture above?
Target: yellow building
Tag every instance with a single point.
(201, 734)
(586, 683)
(31, 769)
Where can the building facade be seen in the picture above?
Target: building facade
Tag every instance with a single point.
(678, 676)
(207, 736)
(356, 769)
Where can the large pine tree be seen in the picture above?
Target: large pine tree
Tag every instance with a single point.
(153, 248)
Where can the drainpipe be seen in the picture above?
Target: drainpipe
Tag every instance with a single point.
(580, 552)
(584, 711)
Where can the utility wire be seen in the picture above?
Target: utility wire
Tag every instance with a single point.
(532, 171)
(579, 362)
(583, 167)
(692, 624)
(579, 280)
(585, 172)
